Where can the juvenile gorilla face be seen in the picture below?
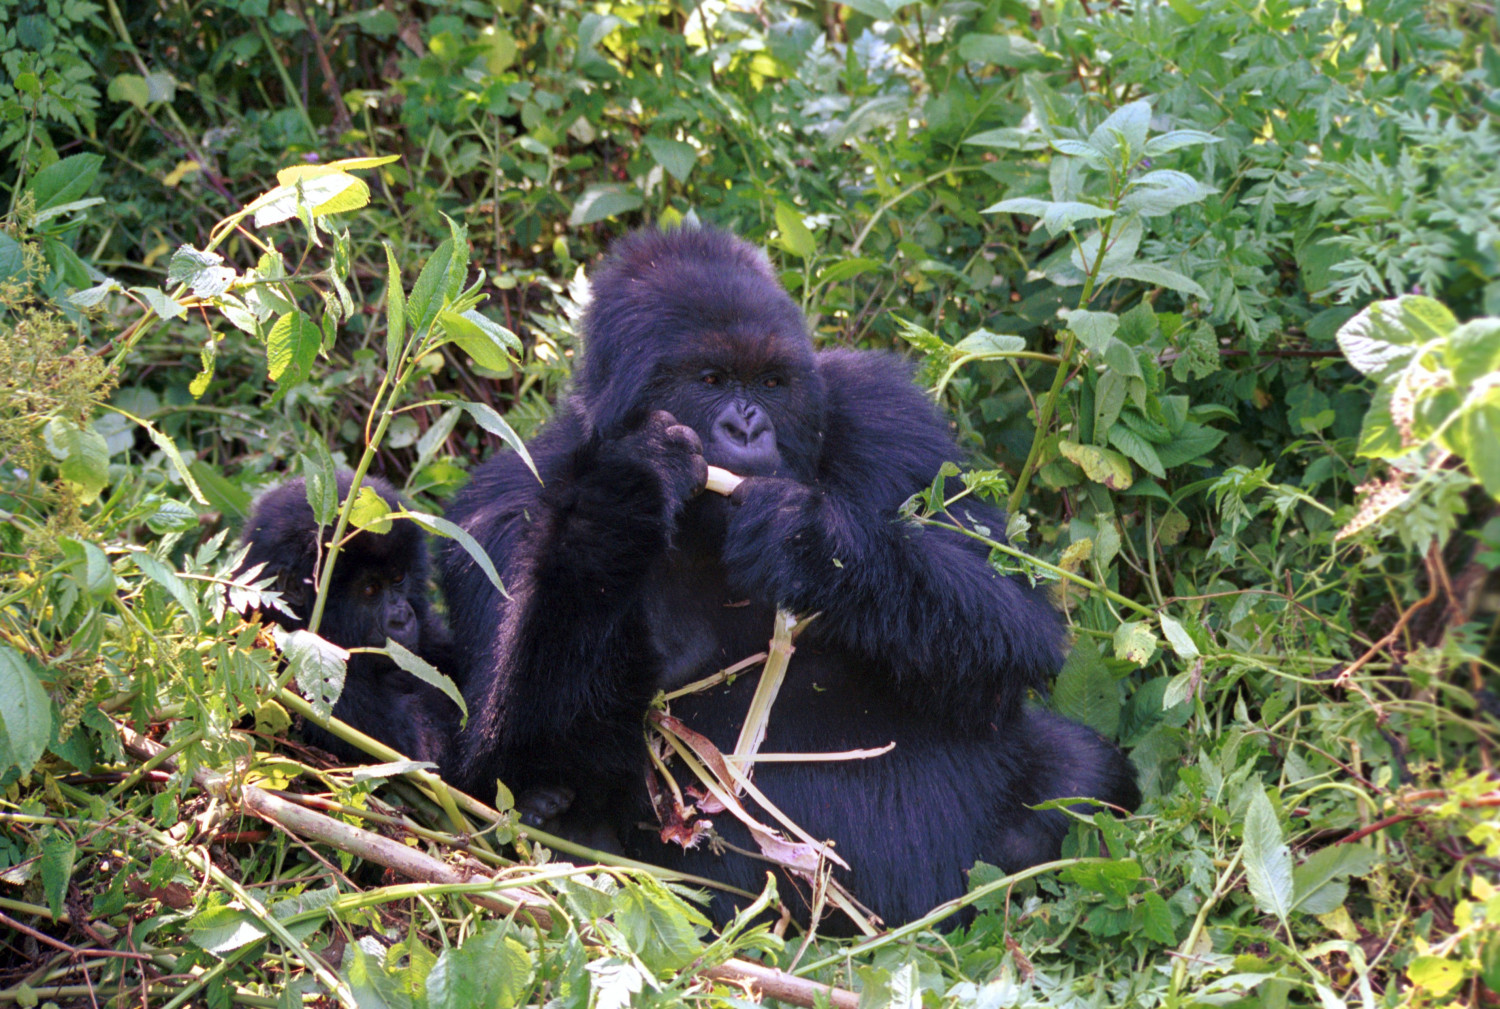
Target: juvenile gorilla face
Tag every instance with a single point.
(373, 605)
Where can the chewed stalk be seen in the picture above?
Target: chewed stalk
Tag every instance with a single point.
(721, 481)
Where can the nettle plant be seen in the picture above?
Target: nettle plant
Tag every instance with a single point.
(1437, 400)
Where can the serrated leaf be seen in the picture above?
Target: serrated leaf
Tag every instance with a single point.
(1319, 882)
(318, 667)
(319, 196)
(982, 343)
(370, 513)
(1079, 149)
(1093, 329)
(58, 854)
(1122, 136)
(795, 236)
(167, 579)
(25, 713)
(1163, 191)
(395, 309)
(292, 347)
(491, 969)
(426, 672)
(1057, 215)
(1085, 690)
(427, 294)
(91, 296)
(658, 926)
(158, 301)
(222, 929)
(1124, 241)
(1386, 335)
(1267, 859)
(1473, 351)
(1137, 449)
(1193, 441)
(1159, 276)
(1134, 642)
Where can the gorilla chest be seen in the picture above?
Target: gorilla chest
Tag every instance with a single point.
(698, 626)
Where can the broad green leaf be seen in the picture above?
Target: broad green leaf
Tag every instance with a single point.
(795, 236)
(1387, 334)
(1009, 138)
(675, 156)
(1098, 464)
(1093, 329)
(160, 303)
(1473, 351)
(1437, 975)
(1193, 441)
(1125, 128)
(422, 670)
(1163, 191)
(25, 713)
(1267, 859)
(318, 667)
(293, 173)
(130, 88)
(1057, 216)
(91, 296)
(370, 513)
(1134, 642)
(1156, 919)
(203, 272)
(1086, 692)
(373, 984)
(1319, 882)
(1174, 139)
(1001, 50)
(222, 929)
(460, 535)
(320, 195)
(1138, 450)
(839, 272)
(1476, 437)
(600, 203)
(427, 294)
(58, 854)
(1079, 149)
(64, 181)
(486, 417)
(1159, 276)
(658, 926)
(982, 342)
(491, 969)
(1124, 240)
(1178, 637)
(320, 482)
(485, 341)
(292, 347)
(82, 456)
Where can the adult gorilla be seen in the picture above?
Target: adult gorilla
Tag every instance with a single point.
(625, 581)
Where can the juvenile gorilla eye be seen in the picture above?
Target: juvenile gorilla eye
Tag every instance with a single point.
(772, 382)
(710, 378)
(370, 590)
(399, 579)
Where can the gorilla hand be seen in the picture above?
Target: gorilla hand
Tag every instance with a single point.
(673, 455)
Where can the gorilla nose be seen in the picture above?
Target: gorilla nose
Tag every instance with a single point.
(744, 427)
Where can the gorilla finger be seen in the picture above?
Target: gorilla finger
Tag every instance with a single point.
(700, 475)
(683, 435)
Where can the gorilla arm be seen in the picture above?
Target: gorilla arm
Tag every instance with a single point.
(920, 603)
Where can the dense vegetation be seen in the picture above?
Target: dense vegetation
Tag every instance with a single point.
(1211, 289)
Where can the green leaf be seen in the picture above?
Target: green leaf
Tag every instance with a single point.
(983, 343)
(1079, 149)
(318, 667)
(1162, 191)
(1123, 243)
(487, 342)
(1122, 137)
(130, 88)
(422, 670)
(795, 236)
(1436, 974)
(1057, 216)
(320, 482)
(64, 181)
(839, 272)
(333, 193)
(1093, 329)
(1001, 50)
(491, 969)
(1178, 637)
(1267, 859)
(460, 535)
(92, 296)
(167, 579)
(203, 272)
(1138, 449)
(1319, 882)
(169, 449)
(395, 309)
(659, 926)
(25, 713)
(675, 156)
(1386, 335)
(1134, 642)
(291, 348)
(158, 301)
(82, 456)
(1473, 351)
(427, 294)
(1159, 276)
(600, 203)
(1475, 436)
(1086, 692)
(222, 929)
(1176, 139)
(1192, 442)
(1099, 464)
(370, 513)
(58, 855)
(1156, 919)
(486, 417)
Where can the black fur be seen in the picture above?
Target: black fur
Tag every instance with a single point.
(379, 590)
(625, 580)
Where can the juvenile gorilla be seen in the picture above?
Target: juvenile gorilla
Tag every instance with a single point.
(625, 581)
(379, 591)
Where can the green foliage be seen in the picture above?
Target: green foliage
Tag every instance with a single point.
(1156, 259)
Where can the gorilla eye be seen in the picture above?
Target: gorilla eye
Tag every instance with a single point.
(399, 579)
(370, 590)
(772, 382)
(711, 378)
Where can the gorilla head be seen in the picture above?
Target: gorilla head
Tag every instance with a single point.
(695, 323)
